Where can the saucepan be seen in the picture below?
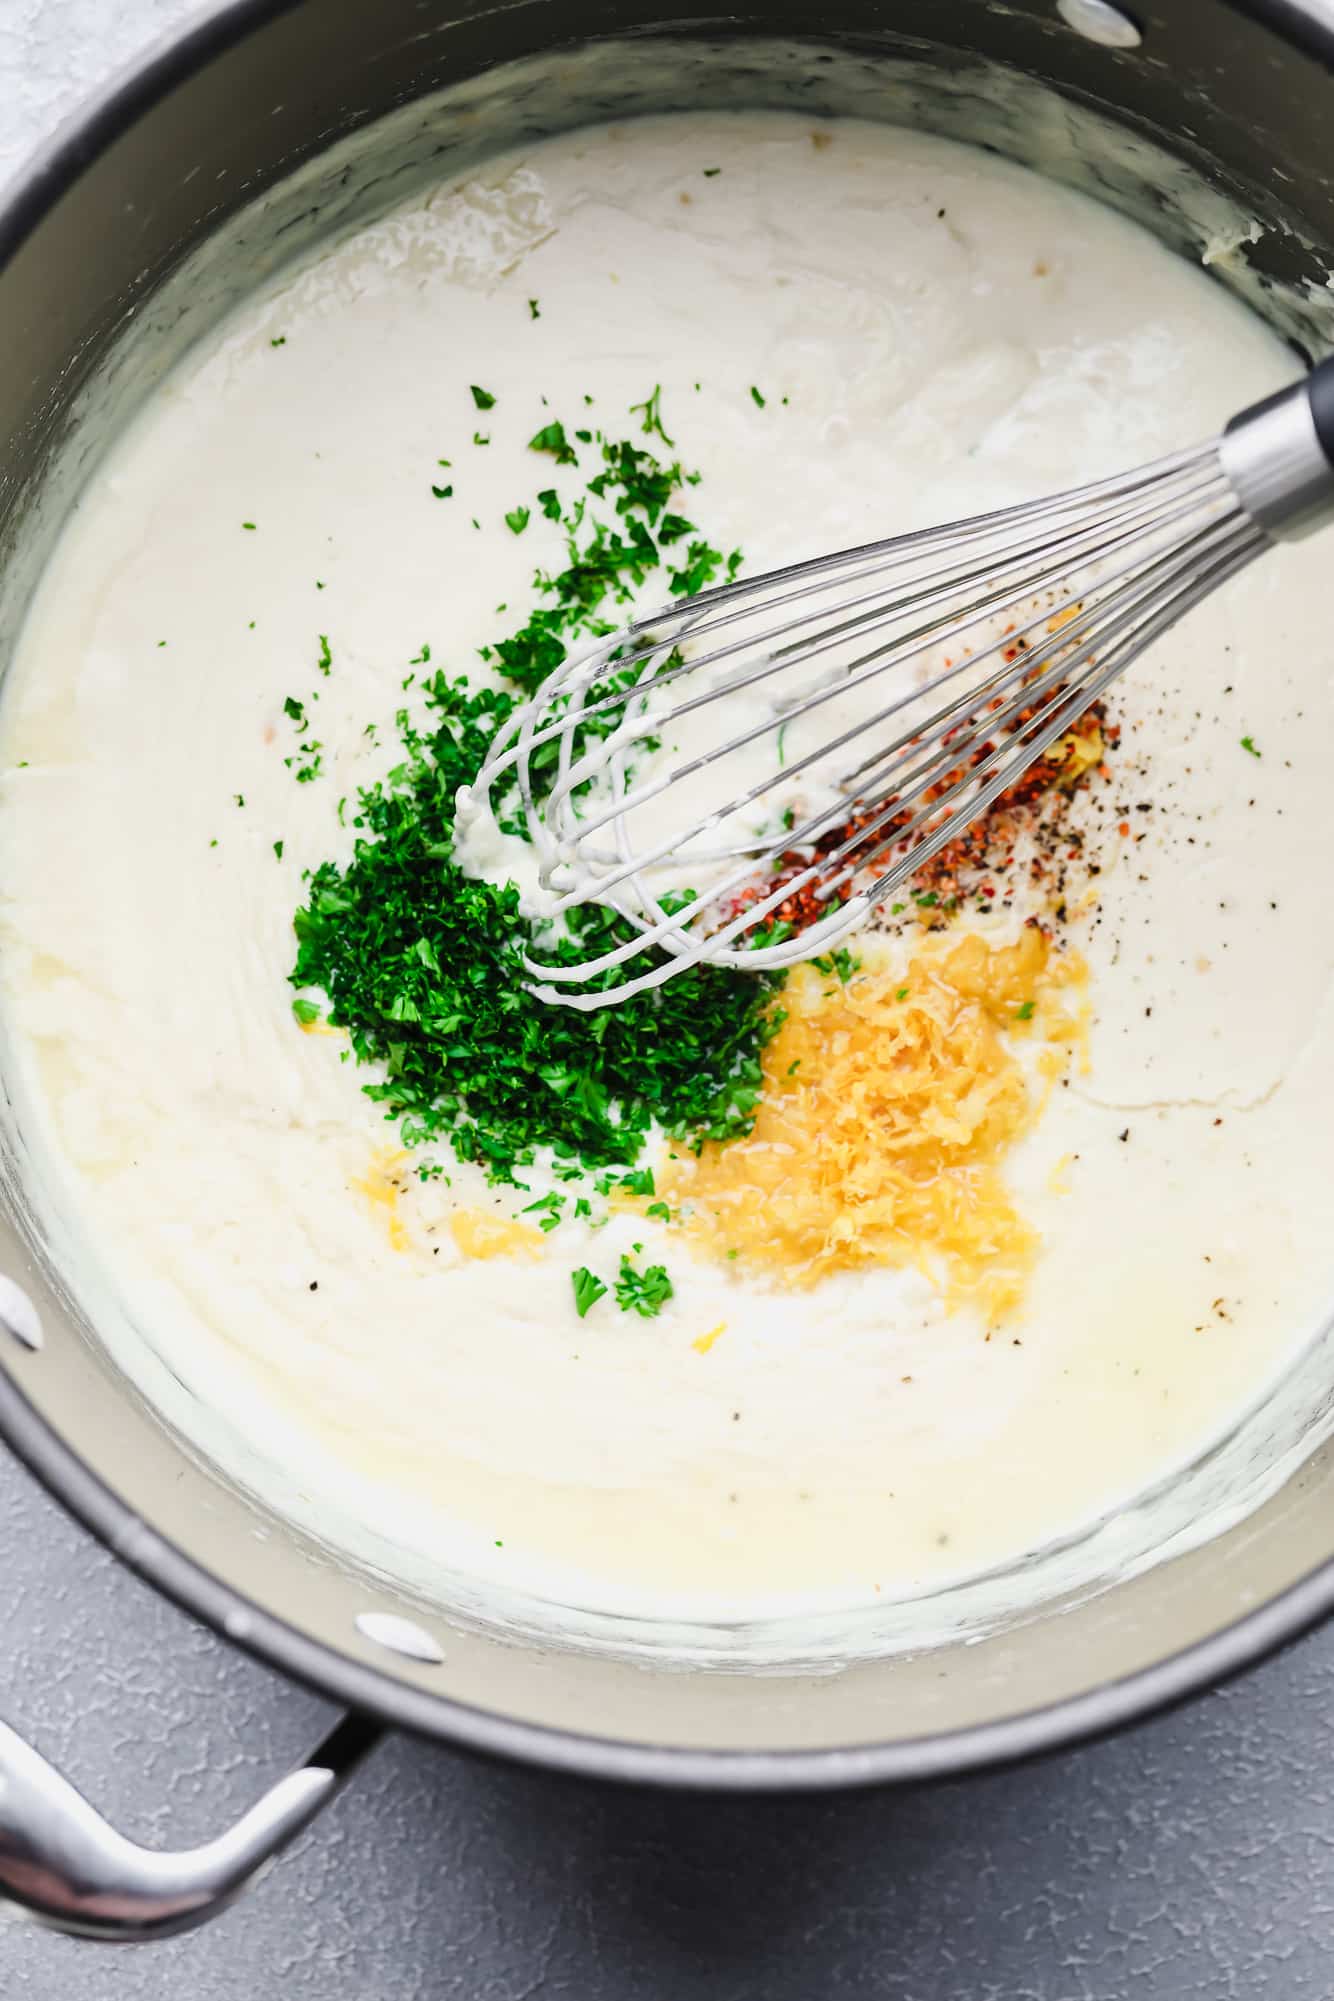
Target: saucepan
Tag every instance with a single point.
(1182, 112)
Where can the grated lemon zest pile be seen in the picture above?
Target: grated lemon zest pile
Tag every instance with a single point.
(889, 1105)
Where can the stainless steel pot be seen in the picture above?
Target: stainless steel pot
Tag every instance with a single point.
(1242, 94)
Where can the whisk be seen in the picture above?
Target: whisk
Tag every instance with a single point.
(819, 732)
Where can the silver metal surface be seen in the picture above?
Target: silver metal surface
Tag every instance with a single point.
(19, 1318)
(1277, 465)
(401, 1636)
(1098, 21)
(63, 1863)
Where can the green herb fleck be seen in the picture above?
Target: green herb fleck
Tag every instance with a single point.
(652, 409)
(588, 1289)
(441, 492)
(482, 398)
(534, 310)
(552, 438)
(756, 397)
(325, 661)
(1025, 1011)
(278, 849)
(843, 962)
(517, 520)
(547, 1208)
(644, 1293)
(1248, 743)
(305, 1011)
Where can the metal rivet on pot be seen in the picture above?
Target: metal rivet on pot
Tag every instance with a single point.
(401, 1636)
(1099, 21)
(18, 1315)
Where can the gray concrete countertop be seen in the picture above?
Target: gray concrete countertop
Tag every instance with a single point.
(1191, 1859)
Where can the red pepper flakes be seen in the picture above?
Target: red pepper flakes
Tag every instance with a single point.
(978, 863)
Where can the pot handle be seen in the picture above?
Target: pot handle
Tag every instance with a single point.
(63, 1863)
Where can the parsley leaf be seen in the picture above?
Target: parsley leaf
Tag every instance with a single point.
(588, 1289)
(646, 1292)
(552, 438)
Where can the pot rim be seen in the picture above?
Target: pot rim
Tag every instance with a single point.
(38, 185)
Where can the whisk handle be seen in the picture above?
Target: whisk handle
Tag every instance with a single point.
(1279, 457)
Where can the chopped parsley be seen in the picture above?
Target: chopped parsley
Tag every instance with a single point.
(588, 1289)
(325, 661)
(1024, 1012)
(441, 492)
(652, 411)
(278, 849)
(534, 310)
(517, 520)
(842, 961)
(551, 438)
(482, 398)
(422, 964)
(646, 1292)
(756, 397)
(547, 1209)
(1248, 743)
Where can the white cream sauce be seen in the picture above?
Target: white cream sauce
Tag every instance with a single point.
(950, 334)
